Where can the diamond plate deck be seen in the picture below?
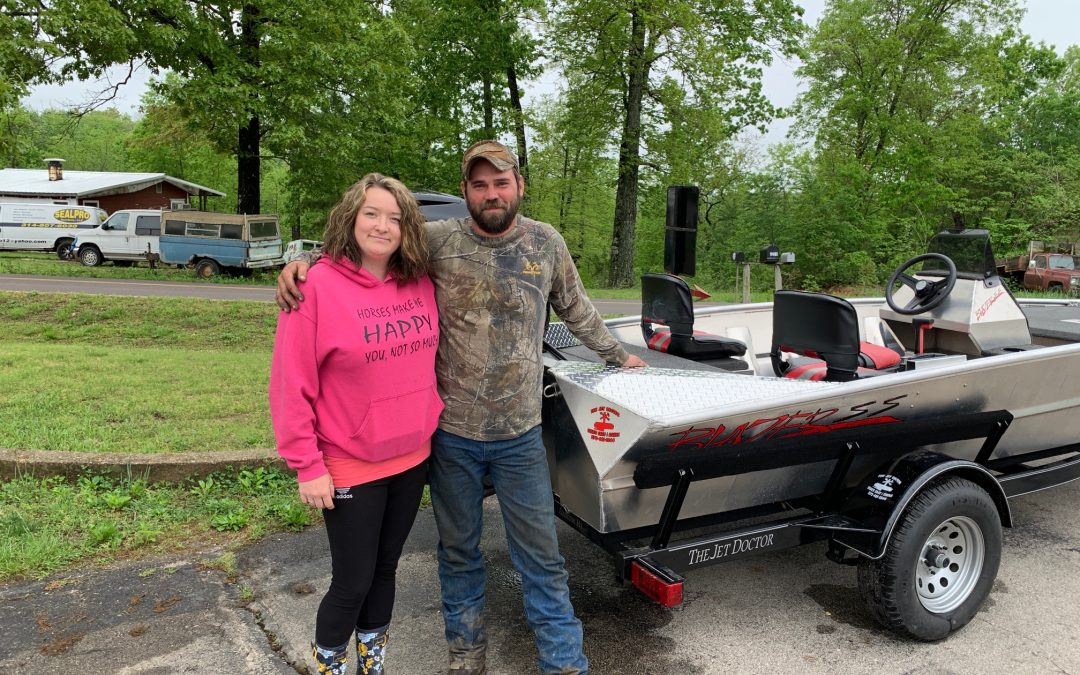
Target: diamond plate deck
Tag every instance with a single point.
(559, 336)
(657, 392)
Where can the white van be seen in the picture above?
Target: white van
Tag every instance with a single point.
(126, 237)
(26, 226)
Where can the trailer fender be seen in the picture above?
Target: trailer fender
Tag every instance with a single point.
(877, 504)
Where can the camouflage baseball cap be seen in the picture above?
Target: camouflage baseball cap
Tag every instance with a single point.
(495, 152)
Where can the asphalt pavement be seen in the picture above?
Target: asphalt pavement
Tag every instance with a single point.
(791, 611)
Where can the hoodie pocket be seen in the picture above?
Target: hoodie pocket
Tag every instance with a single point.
(397, 425)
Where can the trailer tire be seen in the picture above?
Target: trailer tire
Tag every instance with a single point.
(939, 564)
(90, 256)
(206, 268)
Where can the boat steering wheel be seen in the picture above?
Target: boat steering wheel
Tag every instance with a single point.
(928, 294)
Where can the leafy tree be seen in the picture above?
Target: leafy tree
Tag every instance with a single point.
(571, 179)
(16, 124)
(644, 55)
(25, 56)
(166, 140)
(251, 71)
(911, 106)
(470, 56)
(93, 142)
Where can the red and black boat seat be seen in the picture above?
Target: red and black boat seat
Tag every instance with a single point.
(666, 302)
(824, 331)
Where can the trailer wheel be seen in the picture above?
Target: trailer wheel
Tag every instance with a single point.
(90, 256)
(940, 562)
(207, 268)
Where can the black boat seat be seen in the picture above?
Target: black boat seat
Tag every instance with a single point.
(666, 301)
(824, 331)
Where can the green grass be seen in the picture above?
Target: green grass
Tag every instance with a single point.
(149, 375)
(113, 398)
(47, 264)
(1049, 295)
(52, 524)
(162, 323)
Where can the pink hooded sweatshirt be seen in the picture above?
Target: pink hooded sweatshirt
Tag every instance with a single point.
(353, 373)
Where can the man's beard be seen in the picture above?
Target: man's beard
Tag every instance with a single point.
(494, 222)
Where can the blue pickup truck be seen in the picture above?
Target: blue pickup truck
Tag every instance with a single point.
(215, 242)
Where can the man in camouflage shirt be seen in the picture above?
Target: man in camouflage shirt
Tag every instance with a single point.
(494, 275)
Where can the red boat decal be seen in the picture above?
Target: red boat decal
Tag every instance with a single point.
(985, 307)
(788, 425)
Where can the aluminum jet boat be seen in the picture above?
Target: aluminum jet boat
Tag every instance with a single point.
(895, 429)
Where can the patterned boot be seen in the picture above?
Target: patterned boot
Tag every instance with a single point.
(370, 648)
(331, 661)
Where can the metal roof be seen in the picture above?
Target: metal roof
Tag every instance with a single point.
(82, 184)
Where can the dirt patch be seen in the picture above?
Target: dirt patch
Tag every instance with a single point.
(57, 584)
(164, 605)
(61, 644)
(303, 588)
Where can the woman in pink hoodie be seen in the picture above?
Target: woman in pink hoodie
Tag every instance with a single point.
(354, 404)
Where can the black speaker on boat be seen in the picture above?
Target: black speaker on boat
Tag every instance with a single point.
(680, 233)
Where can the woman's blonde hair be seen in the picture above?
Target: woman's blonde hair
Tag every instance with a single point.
(407, 263)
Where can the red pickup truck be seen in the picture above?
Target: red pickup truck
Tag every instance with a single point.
(1058, 272)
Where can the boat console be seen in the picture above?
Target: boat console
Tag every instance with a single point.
(977, 316)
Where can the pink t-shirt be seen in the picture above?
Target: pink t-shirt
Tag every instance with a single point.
(349, 471)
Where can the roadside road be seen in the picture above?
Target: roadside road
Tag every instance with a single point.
(790, 611)
(178, 289)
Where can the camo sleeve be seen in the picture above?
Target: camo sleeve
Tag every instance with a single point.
(309, 257)
(572, 305)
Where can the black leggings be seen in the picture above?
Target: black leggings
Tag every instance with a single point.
(367, 530)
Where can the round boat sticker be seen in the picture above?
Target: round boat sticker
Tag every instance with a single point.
(603, 429)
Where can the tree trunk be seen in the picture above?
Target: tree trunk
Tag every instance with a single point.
(248, 198)
(621, 273)
(489, 107)
(519, 120)
(566, 198)
(297, 206)
(564, 192)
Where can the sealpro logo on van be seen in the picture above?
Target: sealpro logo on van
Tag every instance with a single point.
(71, 215)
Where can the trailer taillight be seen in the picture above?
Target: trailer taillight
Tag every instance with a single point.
(662, 586)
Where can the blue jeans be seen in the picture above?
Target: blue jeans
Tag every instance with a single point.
(519, 472)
